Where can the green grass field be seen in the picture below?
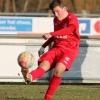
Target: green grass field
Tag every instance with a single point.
(36, 92)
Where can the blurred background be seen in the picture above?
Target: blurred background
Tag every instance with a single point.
(41, 6)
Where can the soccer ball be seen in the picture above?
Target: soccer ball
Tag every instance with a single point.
(25, 59)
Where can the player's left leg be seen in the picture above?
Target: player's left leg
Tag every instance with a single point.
(55, 81)
(64, 63)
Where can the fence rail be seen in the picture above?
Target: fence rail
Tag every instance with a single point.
(96, 37)
(44, 14)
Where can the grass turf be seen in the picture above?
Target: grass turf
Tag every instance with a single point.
(36, 92)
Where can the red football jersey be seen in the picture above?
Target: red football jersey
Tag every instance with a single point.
(66, 32)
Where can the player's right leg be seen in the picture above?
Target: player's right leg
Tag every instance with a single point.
(45, 63)
(44, 66)
(37, 73)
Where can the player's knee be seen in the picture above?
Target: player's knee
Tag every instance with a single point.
(59, 69)
(45, 65)
(58, 73)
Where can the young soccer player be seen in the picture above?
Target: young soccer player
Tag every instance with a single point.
(64, 50)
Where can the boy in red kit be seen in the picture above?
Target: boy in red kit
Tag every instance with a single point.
(66, 41)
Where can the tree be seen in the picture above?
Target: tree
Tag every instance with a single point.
(26, 5)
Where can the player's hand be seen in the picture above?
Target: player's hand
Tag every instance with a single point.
(47, 36)
(41, 51)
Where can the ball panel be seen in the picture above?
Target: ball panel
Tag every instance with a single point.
(25, 59)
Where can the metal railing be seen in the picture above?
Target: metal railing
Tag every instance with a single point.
(45, 14)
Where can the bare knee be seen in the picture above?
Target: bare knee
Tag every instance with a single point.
(45, 65)
(59, 70)
(58, 73)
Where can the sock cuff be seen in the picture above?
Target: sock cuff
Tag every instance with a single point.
(57, 77)
(39, 68)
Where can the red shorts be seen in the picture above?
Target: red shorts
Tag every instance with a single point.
(59, 55)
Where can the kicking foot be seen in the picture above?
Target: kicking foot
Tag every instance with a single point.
(27, 77)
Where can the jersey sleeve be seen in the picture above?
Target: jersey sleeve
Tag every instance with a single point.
(47, 42)
(63, 31)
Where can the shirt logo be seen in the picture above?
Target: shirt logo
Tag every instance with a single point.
(67, 59)
(61, 37)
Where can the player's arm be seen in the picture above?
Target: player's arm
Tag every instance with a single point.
(73, 25)
(48, 42)
(64, 31)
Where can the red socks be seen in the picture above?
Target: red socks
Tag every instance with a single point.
(53, 86)
(54, 83)
(37, 73)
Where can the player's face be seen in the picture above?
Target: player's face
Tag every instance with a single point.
(58, 11)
